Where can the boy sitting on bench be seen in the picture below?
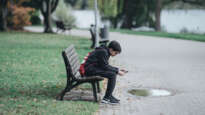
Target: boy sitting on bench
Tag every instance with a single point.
(97, 65)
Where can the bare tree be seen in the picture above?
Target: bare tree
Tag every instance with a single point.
(3, 15)
(47, 8)
(158, 15)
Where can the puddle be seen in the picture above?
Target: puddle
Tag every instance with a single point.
(150, 92)
(139, 92)
(159, 92)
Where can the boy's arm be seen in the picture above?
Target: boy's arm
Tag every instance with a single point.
(103, 63)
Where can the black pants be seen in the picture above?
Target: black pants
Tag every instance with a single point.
(111, 76)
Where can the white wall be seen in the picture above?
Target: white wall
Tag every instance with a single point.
(84, 18)
(176, 20)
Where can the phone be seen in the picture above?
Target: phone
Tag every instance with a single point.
(125, 71)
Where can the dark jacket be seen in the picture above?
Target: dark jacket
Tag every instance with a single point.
(99, 59)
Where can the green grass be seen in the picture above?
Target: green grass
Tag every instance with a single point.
(32, 73)
(196, 37)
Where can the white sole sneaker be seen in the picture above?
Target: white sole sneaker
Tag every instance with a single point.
(108, 102)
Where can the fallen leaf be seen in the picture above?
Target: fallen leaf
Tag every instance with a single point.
(54, 100)
(44, 101)
(34, 99)
(1, 105)
(20, 106)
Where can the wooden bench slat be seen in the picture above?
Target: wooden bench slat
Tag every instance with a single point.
(73, 59)
(76, 64)
(75, 69)
(70, 52)
(69, 48)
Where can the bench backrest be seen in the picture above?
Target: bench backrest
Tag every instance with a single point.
(72, 62)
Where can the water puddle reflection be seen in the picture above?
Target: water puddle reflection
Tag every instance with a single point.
(150, 92)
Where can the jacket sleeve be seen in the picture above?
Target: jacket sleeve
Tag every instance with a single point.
(103, 61)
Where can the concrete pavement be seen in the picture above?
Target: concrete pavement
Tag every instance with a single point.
(171, 64)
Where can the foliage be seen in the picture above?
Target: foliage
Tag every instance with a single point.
(35, 20)
(32, 73)
(108, 8)
(47, 7)
(64, 13)
(20, 17)
(15, 15)
(120, 6)
(71, 2)
(20, 2)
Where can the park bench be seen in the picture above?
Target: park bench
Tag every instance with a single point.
(61, 26)
(74, 78)
(103, 38)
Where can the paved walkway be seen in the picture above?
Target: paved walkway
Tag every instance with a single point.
(175, 65)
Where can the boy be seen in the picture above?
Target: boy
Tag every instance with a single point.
(97, 64)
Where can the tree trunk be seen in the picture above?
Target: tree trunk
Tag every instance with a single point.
(46, 11)
(158, 15)
(127, 18)
(84, 4)
(47, 8)
(47, 18)
(116, 19)
(127, 22)
(3, 15)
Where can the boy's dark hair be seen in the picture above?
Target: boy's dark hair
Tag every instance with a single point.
(115, 46)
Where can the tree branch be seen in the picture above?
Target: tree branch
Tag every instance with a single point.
(54, 5)
(42, 8)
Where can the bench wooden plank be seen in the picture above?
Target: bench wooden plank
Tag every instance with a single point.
(70, 52)
(69, 49)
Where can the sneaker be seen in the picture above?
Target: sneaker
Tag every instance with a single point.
(114, 98)
(109, 101)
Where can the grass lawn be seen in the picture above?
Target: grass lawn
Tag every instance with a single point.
(32, 73)
(196, 37)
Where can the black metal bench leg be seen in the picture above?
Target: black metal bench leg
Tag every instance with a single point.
(94, 91)
(98, 87)
(67, 89)
(62, 94)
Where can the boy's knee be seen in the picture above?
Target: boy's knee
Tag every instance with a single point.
(113, 74)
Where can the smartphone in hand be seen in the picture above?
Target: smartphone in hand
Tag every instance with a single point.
(125, 71)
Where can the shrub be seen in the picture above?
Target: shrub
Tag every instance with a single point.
(20, 17)
(184, 30)
(64, 13)
(35, 20)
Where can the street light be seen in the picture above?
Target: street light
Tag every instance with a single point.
(96, 24)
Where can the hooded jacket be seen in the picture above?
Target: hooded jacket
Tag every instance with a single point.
(99, 59)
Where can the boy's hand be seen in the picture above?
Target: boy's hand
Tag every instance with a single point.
(121, 73)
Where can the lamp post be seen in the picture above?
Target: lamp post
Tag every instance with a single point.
(96, 24)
